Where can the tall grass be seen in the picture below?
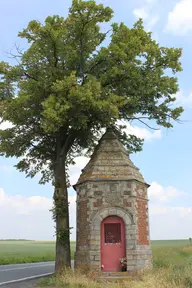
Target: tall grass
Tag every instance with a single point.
(172, 262)
(176, 262)
(158, 278)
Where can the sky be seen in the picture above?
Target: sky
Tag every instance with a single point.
(165, 161)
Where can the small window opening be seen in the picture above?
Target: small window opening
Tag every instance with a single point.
(112, 233)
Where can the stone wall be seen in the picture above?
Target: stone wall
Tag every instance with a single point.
(98, 200)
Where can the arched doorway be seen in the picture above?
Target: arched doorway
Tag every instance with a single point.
(112, 243)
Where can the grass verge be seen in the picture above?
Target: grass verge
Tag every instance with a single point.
(158, 278)
(172, 261)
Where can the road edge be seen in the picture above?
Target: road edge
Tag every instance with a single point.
(26, 279)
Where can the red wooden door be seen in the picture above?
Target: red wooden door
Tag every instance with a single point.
(112, 243)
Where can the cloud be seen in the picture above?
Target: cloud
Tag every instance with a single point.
(160, 194)
(167, 220)
(181, 99)
(144, 133)
(180, 18)
(75, 170)
(29, 217)
(166, 210)
(152, 22)
(147, 13)
(140, 13)
(141, 132)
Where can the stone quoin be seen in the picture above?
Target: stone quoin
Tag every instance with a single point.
(112, 211)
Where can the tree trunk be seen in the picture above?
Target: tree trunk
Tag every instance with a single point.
(61, 211)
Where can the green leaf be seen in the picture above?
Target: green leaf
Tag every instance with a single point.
(68, 86)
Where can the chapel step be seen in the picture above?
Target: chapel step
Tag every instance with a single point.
(117, 277)
(115, 273)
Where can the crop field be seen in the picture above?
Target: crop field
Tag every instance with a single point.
(12, 252)
(164, 252)
(171, 252)
(172, 261)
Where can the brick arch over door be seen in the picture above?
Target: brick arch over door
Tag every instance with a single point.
(130, 227)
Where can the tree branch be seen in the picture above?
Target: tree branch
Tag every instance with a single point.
(139, 119)
(68, 143)
(30, 77)
(13, 56)
(95, 65)
(147, 124)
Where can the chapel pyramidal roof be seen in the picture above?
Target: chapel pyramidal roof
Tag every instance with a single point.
(110, 161)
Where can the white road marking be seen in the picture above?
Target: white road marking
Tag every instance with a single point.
(26, 267)
(25, 279)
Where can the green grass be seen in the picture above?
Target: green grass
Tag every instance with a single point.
(165, 253)
(47, 281)
(171, 252)
(12, 252)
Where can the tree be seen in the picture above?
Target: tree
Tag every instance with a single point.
(66, 88)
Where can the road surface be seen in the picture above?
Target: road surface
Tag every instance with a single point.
(12, 275)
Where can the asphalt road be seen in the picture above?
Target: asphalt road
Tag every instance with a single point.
(18, 275)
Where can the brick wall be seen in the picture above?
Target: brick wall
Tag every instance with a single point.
(142, 222)
(97, 199)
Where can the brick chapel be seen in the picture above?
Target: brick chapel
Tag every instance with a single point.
(112, 211)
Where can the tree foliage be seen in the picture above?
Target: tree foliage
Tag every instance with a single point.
(68, 86)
